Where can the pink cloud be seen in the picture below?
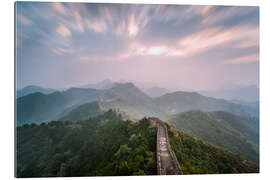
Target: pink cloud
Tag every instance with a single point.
(117, 57)
(24, 20)
(247, 43)
(58, 7)
(201, 10)
(96, 26)
(210, 38)
(245, 59)
(238, 37)
(60, 51)
(63, 30)
(223, 15)
(132, 27)
(77, 20)
(136, 49)
(206, 9)
(73, 18)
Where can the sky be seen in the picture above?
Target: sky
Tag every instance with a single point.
(59, 45)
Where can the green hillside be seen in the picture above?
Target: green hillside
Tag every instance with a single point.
(184, 101)
(130, 93)
(38, 107)
(33, 89)
(106, 145)
(83, 112)
(103, 145)
(200, 157)
(132, 100)
(232, 132)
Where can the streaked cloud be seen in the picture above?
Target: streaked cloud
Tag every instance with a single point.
(60, 51)
(63, 30)
(242, 36)
(24, 20)
(59, 8)
(226, 14)
(178, 37)
(202, 10)
(132, 27)
(242, 60)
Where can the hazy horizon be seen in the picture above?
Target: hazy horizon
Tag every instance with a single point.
(62, 45)
(147, 85)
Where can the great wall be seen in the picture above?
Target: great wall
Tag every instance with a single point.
(167, 163)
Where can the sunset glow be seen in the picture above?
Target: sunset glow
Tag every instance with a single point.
(194, 45)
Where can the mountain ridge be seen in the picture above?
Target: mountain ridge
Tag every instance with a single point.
(249, 93)
(230, 131)
(33, 89)
(127, 97)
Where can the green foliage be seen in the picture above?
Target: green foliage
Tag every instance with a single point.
(38, 106)
(199, 157)
(103, 145)
(83, 112)
(224, 129)
(181, 101)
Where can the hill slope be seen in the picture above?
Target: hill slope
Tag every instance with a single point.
(83, 112)
(33, 89)
(126, 97)
(100, 146)
(130, 93)
(184, 101)
(132, 100)
(107, 145)
(200, 157)
(156, 91)
(38, 107)
(242, 93)
(105, 84)
(232, 132)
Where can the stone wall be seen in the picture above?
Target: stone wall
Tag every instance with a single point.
(176, 169)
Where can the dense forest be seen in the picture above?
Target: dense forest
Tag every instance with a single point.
(235, 133)
(103, 145)
(200, 157)
(106, 145)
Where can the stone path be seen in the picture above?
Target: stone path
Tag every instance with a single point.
(167, 163)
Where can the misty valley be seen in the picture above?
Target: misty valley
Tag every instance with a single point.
(107, 129)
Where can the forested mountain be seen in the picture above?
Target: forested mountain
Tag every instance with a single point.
(103, 145)
(236, 133)
(33, 89)
(129, 93)
(197, 156)
(241, 93)
(105, 84)
(156, 91)
(184, 101)
(39, 107)
(106, 145)
(132, 100)
(254, 105)
(83, 112)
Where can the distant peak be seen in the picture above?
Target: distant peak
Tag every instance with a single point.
(128, 84)
(31, 87)
(185, 92)
(106, 81)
